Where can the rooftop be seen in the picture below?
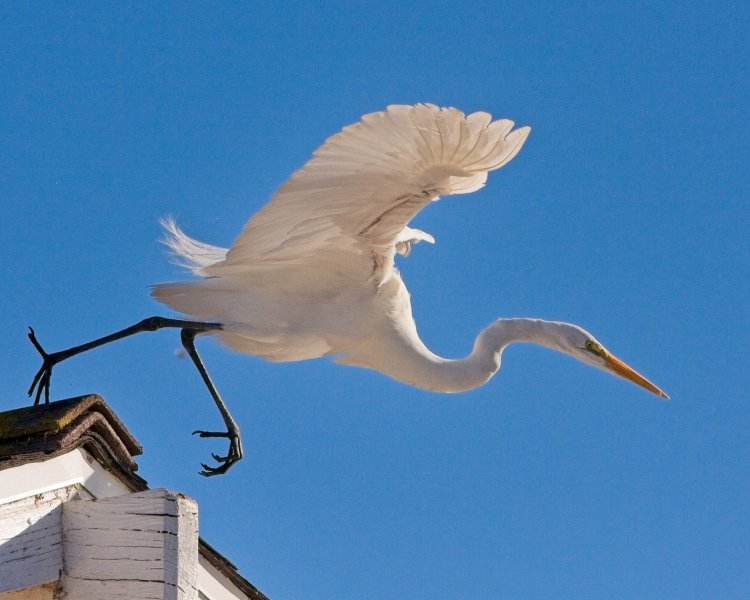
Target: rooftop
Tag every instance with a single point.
(38, 433)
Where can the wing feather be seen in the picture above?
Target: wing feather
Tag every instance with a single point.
(361, 188)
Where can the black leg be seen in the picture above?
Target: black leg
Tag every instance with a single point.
(43, 377)
(233, 431)
(190, 329)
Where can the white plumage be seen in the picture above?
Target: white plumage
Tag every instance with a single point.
(312, 272)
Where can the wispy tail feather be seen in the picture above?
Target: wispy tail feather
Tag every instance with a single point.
(187, 252)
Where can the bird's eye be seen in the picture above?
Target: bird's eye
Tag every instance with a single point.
(594, 348)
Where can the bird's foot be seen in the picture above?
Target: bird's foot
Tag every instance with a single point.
(233, 456)
(43, 377)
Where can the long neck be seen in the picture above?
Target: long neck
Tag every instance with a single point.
(407, 359)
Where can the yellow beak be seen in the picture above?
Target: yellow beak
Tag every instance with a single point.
(623, 370)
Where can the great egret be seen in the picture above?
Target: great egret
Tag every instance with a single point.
(312, 273)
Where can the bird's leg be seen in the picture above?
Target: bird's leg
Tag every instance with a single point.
(233, 431)
(43, 377)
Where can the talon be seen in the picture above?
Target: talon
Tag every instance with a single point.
(204, 434)
(37, 345)
(225, 462)
(211, 471)
(43, 378)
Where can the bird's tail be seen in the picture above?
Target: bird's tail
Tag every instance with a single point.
(191, 254)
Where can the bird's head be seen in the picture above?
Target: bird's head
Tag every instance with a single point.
(563, 337)
(585, 347)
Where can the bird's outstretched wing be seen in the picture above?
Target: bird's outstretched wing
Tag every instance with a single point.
(363, 185)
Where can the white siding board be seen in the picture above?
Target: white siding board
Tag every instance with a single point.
(214, 585)
(141, 545)
(31, 550)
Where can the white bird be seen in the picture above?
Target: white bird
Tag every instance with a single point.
(312, 273)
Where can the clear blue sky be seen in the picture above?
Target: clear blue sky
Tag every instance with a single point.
(626, 212)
